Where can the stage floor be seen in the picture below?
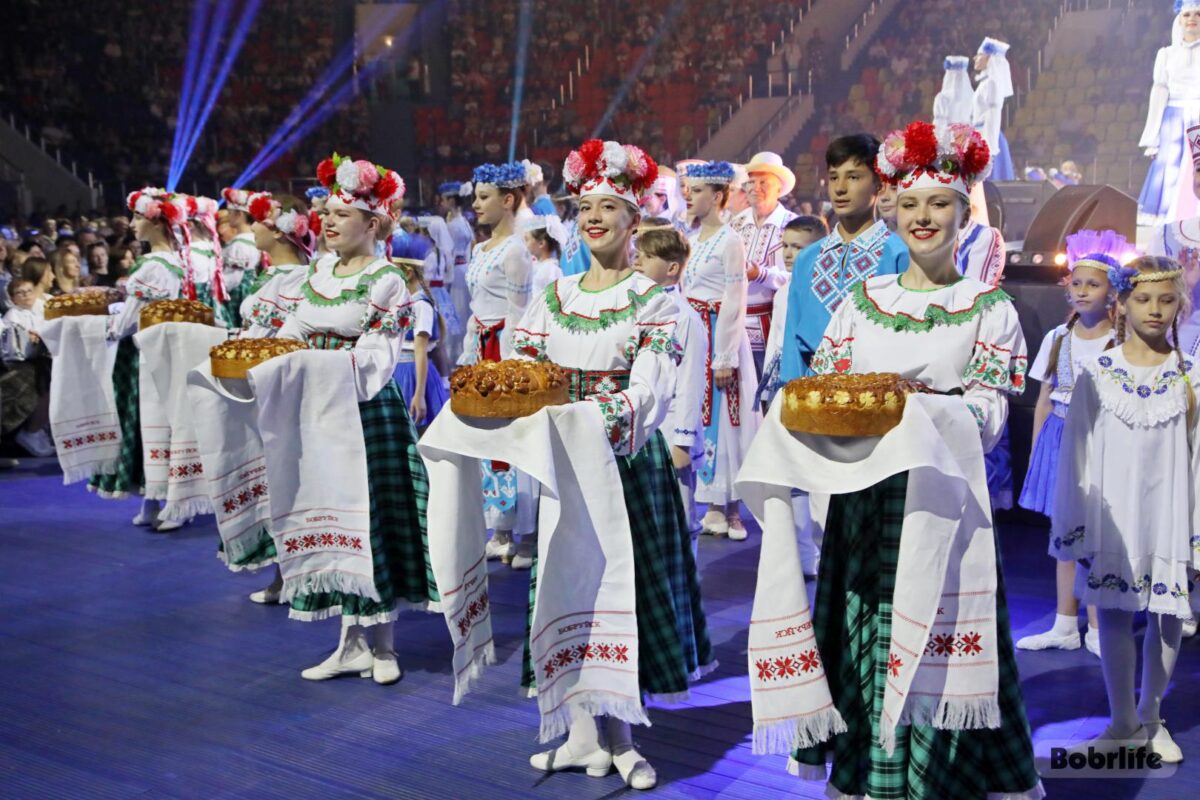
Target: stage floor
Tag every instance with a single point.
(133, 666)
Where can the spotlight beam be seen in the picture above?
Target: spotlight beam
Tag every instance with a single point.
(341, 63)
(198, 21)
(524, 26)
(231, 53)
(213, 36)
(631, 77)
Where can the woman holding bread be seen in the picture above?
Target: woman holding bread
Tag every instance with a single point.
(613, 331)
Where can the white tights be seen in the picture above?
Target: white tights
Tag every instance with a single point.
(1160, 651)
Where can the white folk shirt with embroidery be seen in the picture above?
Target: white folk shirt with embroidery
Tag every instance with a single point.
(1126, 496)
(1073, 353)
(764, 249)
(965, 337)
(424, 320)
(1176, 83)
(628, 326)
(779, 315)
(157, 276)
(980, 253)
(545, 272)
(204, 263)
(987, 112)
(684, 417)
(265, 311)
(498, 280)
(716, 273)
(239, 256)
(371, 306)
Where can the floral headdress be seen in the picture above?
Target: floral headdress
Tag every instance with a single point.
(362, 185)
(203, 212)
(533, 172)
(449, 187)
(236, 199)
(610, 168)
(718, 172)
(154, 203)
(922, 157)
(293, 224)
(1180, 5)
(507, 176)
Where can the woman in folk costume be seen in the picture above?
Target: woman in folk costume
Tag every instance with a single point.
(416, 374)
(994, 87)
(160, 219)
(283, 233)
(955, 102)
(357, 303)
(715, 284)
(958, 337)
(317, 197)
(240, 259)
(438, 276)
(613, 329)
(454, 196)
(498, 277)
(1174, 107)
(205, 250)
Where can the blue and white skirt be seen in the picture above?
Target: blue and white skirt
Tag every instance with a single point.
(436, 394)
(1041, 478)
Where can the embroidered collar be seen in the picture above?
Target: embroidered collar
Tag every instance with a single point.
(159, 258)
(868, 240)
(347, 289)
(1140, 396)
(935, 314)
(605, 317)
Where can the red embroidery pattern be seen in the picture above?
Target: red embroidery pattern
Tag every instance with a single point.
(186, 470)
(91, 438)
(317, 541)
(245, 497)
(589, 651)
(789, 666)
(474, 611)
(950, 644)
(793, 630)
(894, 664)
(707, 312)
(158, 454)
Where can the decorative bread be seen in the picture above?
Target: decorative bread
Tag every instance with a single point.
(506, 389)
(236, 357)
(845, 405)
(92, 301)
(175, 311)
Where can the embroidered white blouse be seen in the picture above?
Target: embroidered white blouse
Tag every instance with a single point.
(204, 262)
(684, 417)
(545, 272)
(157, 276)
(498, 280)
(264, 311)
(964, 337)
(716, 273)
(763, 247)
(1073, 353)
(365, 313)
(629, 326)
(239, 256)
(1126, 496)
(1176, 83)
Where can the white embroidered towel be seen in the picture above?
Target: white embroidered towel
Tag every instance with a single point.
(231, 449)
(317, 471)
(83, 413)
(584, 641)
(943, 660)
(168, 351)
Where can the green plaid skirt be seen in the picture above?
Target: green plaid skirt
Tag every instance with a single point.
(853, 622)
(19, 391)
(204, 294)
(399, 490)
(233, 309)
(673, 644)
(260, 555)
(129, 477)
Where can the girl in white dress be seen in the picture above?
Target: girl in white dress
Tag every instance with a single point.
(282, 232)
(715, 284)
(498, 278)
(545, 238)
(1125, 503)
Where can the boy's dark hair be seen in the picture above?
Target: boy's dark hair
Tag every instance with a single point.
(658, 238)
(808, 223)
(860, 147)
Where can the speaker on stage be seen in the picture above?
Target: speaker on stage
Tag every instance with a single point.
(1074, 208)
(1012, 205)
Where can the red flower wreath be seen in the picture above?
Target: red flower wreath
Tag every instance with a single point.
(260, 207)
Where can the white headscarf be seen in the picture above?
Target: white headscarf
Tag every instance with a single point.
(552, 225)
(439, 232)
(997, 67)
(954, 102)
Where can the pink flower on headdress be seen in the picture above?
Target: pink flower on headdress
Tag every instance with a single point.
(368, 174)
(573, 168)
(955, 138)
(893, 150)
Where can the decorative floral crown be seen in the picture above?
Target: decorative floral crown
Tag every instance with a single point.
(237, 199)
(449, 187)
(316, 193)
(362, 185)
(1180, 5)
(1123, 279)
(922, 157)
(291, 222)
(154, 203)
(1102, 250)
(202, 208)
(610, 168)
(719, 172)
(506, 176)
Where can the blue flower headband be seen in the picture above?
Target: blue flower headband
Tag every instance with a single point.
(719, 172)
(1123, 279)
(449, 187)
(1180, 5)
(316, 192)
(506, 176)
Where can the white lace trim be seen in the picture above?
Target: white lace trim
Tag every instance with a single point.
(329, 286)
(1144, 403)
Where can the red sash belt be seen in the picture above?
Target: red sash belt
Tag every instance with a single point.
(708, 313)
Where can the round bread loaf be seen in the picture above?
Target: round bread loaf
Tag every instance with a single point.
(236, 357)
(844, 405)
(506, 389)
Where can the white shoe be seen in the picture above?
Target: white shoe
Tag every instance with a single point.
(385, 669)
(144, 520)
(36, 443)
(501, 550)
(1050, 640)
(737, 529)
(266, 596)
(522, 562)
(168, 525)
(714, 524)
(1109, 742)
(1092, 641)
(362, 664)
(1161, 742)
(1189, 627)
(635, 770)
(598, 763)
